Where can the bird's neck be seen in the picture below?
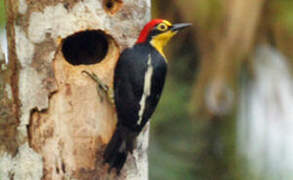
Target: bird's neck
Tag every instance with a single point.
(160, 41)
(158, 45)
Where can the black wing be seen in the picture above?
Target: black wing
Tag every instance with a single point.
(129, 84)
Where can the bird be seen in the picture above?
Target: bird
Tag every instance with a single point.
(139, 78)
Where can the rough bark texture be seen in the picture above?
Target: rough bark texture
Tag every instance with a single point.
(55, 124)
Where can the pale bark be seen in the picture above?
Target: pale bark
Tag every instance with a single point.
(58, 125)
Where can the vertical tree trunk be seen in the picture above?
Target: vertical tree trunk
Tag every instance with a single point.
(56, 125)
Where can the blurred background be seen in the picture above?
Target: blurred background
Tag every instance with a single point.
(227, 108)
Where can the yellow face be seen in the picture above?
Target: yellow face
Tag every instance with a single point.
(160, 40)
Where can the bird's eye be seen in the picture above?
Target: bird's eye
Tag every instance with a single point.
(162, 27)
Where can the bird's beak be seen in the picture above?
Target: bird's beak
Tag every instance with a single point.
(178, 27)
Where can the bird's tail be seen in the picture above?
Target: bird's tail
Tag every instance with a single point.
(121, 143)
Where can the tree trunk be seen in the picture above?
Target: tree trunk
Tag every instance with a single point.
(56, 125)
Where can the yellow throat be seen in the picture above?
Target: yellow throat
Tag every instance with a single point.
(159, 41)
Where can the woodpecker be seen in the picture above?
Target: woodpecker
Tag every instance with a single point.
(139, 78)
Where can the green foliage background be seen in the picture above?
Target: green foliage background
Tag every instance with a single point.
(185, 145)
(2, 13)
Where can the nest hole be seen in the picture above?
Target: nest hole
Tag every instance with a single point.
(112, 6)
(109, 4)
(85, 48)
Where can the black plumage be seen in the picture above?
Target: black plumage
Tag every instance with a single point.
(138, 83)
(129, 87)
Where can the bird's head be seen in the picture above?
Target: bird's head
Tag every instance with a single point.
(158, 32)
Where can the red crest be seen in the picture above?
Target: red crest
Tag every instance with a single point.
(147, 29)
